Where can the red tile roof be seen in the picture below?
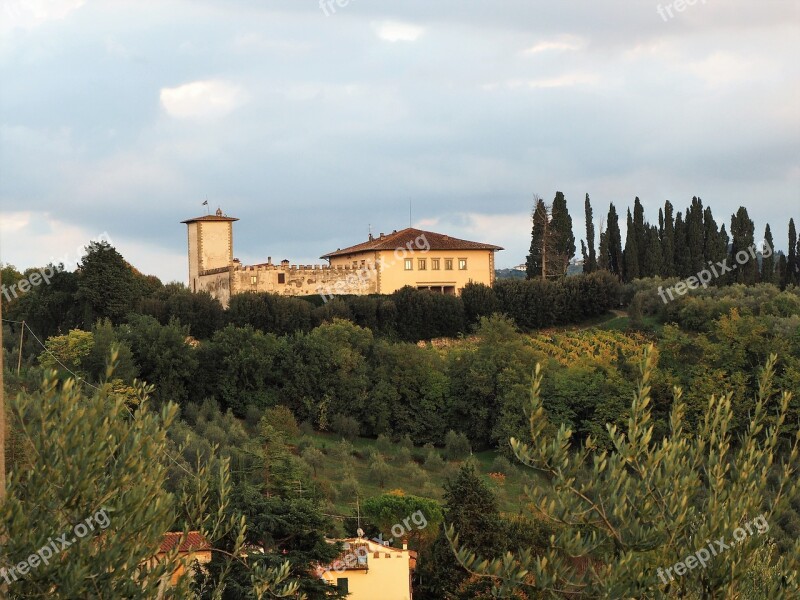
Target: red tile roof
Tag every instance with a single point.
(400, 239)
(194, 542)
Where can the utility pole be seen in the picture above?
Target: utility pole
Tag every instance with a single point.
(21, 337)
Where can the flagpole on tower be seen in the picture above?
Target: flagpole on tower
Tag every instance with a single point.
(208, 210)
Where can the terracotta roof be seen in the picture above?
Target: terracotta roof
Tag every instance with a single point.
(194, 542)
(399, 239)
(210, 218)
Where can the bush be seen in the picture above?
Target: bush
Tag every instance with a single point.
(434, 462)
(456, 446)
(252, 415)
(384, 444)
(307, 428)
(347, 427)
(379, 470)
(282, 419)
(349, 488)
(501, 465)
(403, 456)
(407, 442)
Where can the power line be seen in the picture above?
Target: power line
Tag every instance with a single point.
(78, 378)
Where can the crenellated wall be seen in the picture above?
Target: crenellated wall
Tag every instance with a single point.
(288, 280)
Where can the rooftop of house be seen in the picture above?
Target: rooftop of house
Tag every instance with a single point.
(400, 239)
(194, 542)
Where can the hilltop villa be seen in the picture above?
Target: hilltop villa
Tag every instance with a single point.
(380, 265)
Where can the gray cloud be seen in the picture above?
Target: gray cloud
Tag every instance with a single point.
(311, 128)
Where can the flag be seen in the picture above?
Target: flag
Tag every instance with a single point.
(205, 203)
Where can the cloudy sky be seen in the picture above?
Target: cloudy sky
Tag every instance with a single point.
(312, 123)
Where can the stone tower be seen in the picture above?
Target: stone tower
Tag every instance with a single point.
(210, 246)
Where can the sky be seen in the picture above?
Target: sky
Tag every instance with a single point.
(314, 123)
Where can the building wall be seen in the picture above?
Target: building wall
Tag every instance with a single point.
(392, 275)
(216, 244)
(388, 576)
(288, 280)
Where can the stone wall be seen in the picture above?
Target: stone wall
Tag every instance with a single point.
(289, 280)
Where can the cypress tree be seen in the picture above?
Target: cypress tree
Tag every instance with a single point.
(590, 259)
(714, 248)
(602, 253)
(539, 234)
(668, 242)
(683, 262)
(768, 260)
(564, 238)
(640, 231)
(694, 236)
(652, 266)
(780, 271)
(631, 253)
(790, 277)
(742, 228)
(614, 242)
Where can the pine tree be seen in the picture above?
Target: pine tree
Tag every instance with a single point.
(631, 253)
(471, 507)
(668, 242)
(590, 261)
(614, 242)
(564, 238)
(768, 260)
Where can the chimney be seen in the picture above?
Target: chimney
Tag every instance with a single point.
(381, 235)
(370, 237)
(405, 544)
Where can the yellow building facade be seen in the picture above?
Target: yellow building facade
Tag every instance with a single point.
(381, 265)
(367, 570)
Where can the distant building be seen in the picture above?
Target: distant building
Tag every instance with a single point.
(381, 265)
(367, 570)
(193, 548)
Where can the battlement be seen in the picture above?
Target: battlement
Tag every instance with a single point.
(297, 268)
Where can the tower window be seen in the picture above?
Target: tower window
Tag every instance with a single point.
(253, 279)
(281, 277)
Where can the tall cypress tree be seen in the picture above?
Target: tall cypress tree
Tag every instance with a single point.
(614, 242)
(564, 238)
(602, 252)
(668, 242)
(791, 276)
(631, 252)
(742, 229)
(537, 255)
(683, 261)
(768, 262)
(590, 260)
(714, 248)
(640, 231)
(694, 236)
(653, 255)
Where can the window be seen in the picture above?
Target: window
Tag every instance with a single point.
(423, 264)
(281, 277)
(462, 264)
(363, 263)
(343, 584)
(448, 264)
(253, 279)
(409, 264)
(435, 264)
(355, 264)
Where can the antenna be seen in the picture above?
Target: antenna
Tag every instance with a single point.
(409, 213)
